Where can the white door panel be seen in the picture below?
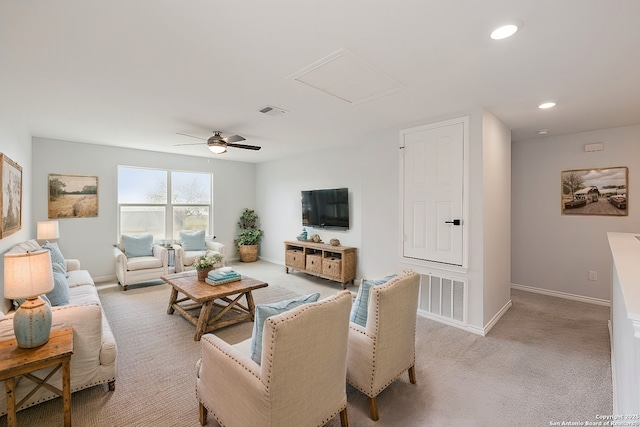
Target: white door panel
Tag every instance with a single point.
(433, 166)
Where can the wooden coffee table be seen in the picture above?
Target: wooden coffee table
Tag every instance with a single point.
(213, 307)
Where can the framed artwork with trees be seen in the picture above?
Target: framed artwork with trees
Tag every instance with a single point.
(599, 191)
(10, 196)
(73, 196)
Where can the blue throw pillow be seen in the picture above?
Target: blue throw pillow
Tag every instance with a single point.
(264, 311)
(361, 304)
(56, 255)
(140, 245)
(60, 293)
(193, 240)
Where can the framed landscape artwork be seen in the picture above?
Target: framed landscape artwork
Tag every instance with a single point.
(73, 196)
(11, 196)
(601, 191)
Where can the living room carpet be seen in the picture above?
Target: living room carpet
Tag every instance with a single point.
(546, 360)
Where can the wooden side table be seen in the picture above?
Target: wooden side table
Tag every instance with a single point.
(16, 361)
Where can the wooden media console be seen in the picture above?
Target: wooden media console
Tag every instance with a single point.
(336, 263)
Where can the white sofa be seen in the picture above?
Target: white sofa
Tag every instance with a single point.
(94, 348)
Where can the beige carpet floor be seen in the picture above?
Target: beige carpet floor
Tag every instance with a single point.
(547, 360)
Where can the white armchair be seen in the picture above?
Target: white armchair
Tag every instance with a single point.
(300, 381)
(184, 259)
(380, 352)
(132, 268)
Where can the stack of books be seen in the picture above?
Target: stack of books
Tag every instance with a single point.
(217, 277)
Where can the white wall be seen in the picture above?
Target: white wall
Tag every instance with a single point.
(91, 239)
(15, 143)
(552, 251)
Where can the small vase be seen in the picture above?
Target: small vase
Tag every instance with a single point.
(202, 274)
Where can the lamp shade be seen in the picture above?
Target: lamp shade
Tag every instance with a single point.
(48, 230)
(27, 275)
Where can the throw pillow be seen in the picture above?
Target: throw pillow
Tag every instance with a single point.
(140, 245)
(361, 303)
(264, 311)
(56, 255)
(193, 240)
(60, 293)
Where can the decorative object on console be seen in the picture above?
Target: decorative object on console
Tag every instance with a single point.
(29, 275)
(334, 242)
(249, 237)
(73, 196)
(303, 236)
(10, 196)
(316, 238)
(48, 230)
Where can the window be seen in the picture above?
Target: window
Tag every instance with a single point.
(163, 202)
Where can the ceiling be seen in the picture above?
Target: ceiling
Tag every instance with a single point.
(136, 73)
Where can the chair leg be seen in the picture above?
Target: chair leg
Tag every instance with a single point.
(373, 409)
(344, 418)
(412, 374)
(203, 414)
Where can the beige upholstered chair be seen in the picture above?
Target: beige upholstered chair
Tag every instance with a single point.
(184, 259)
(138, 269)
(380, 352)
(300, 381)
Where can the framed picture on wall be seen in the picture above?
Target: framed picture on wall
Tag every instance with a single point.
(73, 196)
(11, 196)
(601, 191)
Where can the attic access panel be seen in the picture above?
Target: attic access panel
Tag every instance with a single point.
(347, 77)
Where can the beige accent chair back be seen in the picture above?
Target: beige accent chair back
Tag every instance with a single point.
(184, 259)
(300, 381)
(380, 352)
(140, 269)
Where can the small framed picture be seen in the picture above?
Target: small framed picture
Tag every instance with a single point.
(11, 196)
(73, 196)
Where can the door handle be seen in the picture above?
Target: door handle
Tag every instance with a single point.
(454, 222)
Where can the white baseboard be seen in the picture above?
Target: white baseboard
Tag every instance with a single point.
(564, 295)
(101, 279)
(497, 317)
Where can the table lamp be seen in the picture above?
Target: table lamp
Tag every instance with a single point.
(47, 230)
(29, 275)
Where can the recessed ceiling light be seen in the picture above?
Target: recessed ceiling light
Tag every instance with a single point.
(506, 30)
(546, 105)
(543, 131)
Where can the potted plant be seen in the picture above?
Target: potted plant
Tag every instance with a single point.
(205, 263)
(249, 237)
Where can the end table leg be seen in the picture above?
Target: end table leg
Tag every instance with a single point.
(66, 391)
(10, 387)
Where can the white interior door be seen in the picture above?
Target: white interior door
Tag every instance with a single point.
(433, 169)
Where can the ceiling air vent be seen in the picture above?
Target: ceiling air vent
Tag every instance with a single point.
(270, 110)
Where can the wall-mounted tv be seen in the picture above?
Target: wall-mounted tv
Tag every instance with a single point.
(327, 208)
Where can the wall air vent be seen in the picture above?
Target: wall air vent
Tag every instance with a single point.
(270, 110)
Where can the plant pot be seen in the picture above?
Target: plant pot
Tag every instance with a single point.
(248, 253)
(202, 274)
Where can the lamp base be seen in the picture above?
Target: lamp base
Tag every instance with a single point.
(32, 323)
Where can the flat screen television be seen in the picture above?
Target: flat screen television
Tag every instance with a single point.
(328, 208)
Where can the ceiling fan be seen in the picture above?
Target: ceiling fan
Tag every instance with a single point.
(218, 145)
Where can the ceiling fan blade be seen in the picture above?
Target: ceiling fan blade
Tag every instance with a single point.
(235, 138)
(245, 146)
(195, 143)
(190, 136)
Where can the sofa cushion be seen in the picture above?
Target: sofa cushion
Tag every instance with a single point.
(60, 293)
(138, 245)
(56, 255)
(264, 311)
(361, 303)
(143, 263)
(193, 240)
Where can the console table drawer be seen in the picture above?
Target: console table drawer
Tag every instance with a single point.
(314, 263)
(295, 259)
